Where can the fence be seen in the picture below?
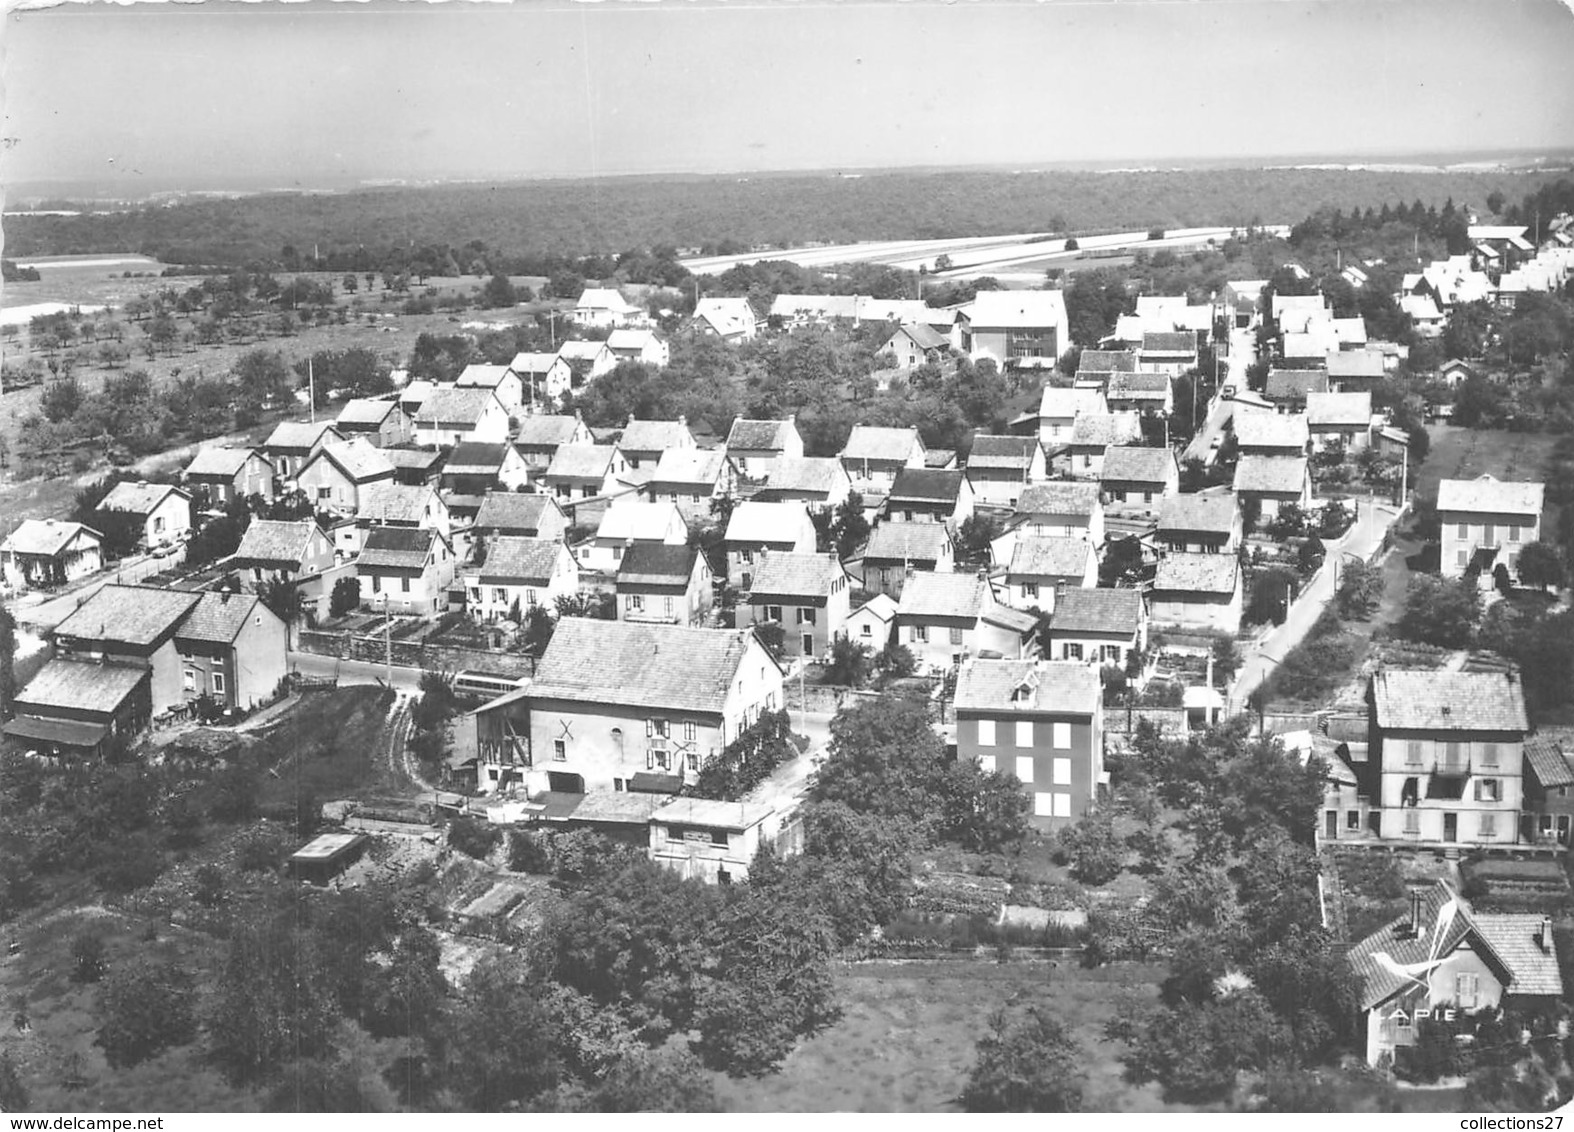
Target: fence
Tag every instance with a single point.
(411, 654)
(1120, 721)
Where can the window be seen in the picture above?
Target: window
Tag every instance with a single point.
(404, 585)
(1412, 821)
(986, 763)
(1043, 805)
(1464, 530)
(1467, 989)
(1489, 534)
(1488, 825)
(748, 556)
(1061, 739)
(1489, 790)
(1062, 772)
(921, 633)
(1024, 732)
(805, 616)
(773, 613)
(1029, 589)
(218, 681)
(499, 594)
(658, 728)
(1513, 532)
(866, 630)
(530, 597)
(986, 733)
(1413, 753)
(560, 750)
(191, 680)
(1073, 650)
(689, 731)
(1352, 819)
(1489, 754)
(1112, 654)
(1062, 805)
(1024, 766)
(666, 606)
(635, 603)
(324, 493)
(617, 740)
(956, 635)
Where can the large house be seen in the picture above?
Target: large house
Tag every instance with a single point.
(808, 595)
(1168, 352)
(1000, 467)
(930, 495)
(453, 416)
(132, 625)
(475, 469)
(626, 523)
(665, 583)
(873, 456)
(1197, 591)
(335, 475)
(1042, 566)
(755, 446)
(233, 650)
(1061, 508)
(819, 482)
(1041, 722)
(501, 380)
(1138, 476)
(693, 478)
(162, 512)
(384, 423)
(1204, 523)
(1274, 482)
(521, 514)
(519, 573)
(1027, 329)
(292, 443)
(405, 570)
(943, 617)
(896, 549)
(755, 528)
(731, 320)
(44, 553)
(218, 476)
(643, 442)
(1486, 521)
(1098, 626)
(616, 699)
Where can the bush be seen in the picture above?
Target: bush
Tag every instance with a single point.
(128, 865)
(209, 890)
(528, 853)
(1092, 849)
(260, 850)
(87, 956)
(473, 837)
(346, 596)
(147, 1008)
(1027, 1062)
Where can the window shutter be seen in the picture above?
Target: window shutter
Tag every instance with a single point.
(650, 727)
(650, 758)
(1478, 790)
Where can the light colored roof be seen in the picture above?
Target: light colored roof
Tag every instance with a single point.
(365, 411)
(1063, 404)
(753, 521)
(545, 431)
(1421, 308)
(218, 618)
(907, 542)
(216, 460)
(531, 363)
(924, 337)
(657, 564)
(1325, 409)
(1488, 495)
(727, 316)
(1295, 383)
(1009, 452)
(358, 459)
(46, 537)
(1106, 429)
(784, 574)
(1131, 464)
(655, 436)
(482, 377)
(1107, 361)
(869, 442)
(1271, 430)
(1059, 497)
(397, 547)
(581, 461)
(1350, 329)
(275, 540)
(1213, 512)
(1112, 612)
(82, 685)
(1017, 309)
(629, 338)
(454, 408)
(1429, 700)
(640, 521)
(698, 466)
(930, 593)
(1277, 474)
(1496, 231)
(1512, 935)
(603, 298)
(1049, 556)
(1355, 363)
(817, 306)
(301, 435)
(1028, 686)
(133, 615)
(758, 436)
(882, 607)
(585, 351)
(390, 502)
(906, 311)
(818, 474)
(646, 665)
(520, 560)
(515, 510)
(713, 814)
(1197, 573)
(137, 498)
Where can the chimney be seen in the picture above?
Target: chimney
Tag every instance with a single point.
(1210, 672)
(1544, 934)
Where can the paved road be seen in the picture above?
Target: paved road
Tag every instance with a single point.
(355, 671)
(44, 611)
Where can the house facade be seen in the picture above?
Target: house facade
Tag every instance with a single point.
(757, 528)
(1026, 329)
(1197, 591)
(45, 553)
(526, 571)
(131, 625)
(380, 422)
(233, 649)
(292, 443)
(755, 445)
(163, 512)
(451, 416)
(999, 468)
(405, 571)
(667, 584)
(873, 456)
(693, 479)
(897, 549)
(1040, 567)
(1200, 523)
(1098, 627)
(944, 618)
(930, 495)
(1486, 521)
(336, 474)
(217, 476)
(808, 595)
(630, 522)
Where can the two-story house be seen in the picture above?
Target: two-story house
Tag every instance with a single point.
(1449, 751)
(1150, 393)
(218, 476)
(872, 456)
(1288, 389)
(390, 504)
(543, 379)
(896, 549)
(161, 511)
(132, 625)
(1203, 523)
(1098, 626)
(1270, 434)
(295, 550)
(1000, 467)
(1274, 482)
(501, 380)
(512, 572)
(756, 445)
(1485, 521)
(1193, 590)
(818, 482)
(1018, 329)
(1169, 352)
(1139, 477)
(638, 345)
(1339, 420)
(520, 513)
(755, 528)
(584, 471)
(475, 469)
(643, 442)
(730, 319)
(1549, 792)
(671, 584)
(1058, 410)
(452, 416)
(335, 475)
(930, 495)
(1041, 721)
(612, 699)
(540, 436)
(405, 570)
(382, 422)
(604, 308)
(1053, 509)
(808, 595)
(943, 618)
(587, 360)
(233, 649)
(1041, 566)
(915, 344)
(626, 522)
(292, 443)
(694, 479)
(1094, 434)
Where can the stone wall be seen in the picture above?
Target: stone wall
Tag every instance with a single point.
(411, 654)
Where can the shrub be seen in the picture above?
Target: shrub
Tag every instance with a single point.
(130, 864)
(260, 850)
(87, 956)
(147, 1008)
(473, 837)
(209, 890)
(1091, 848)
(528, 853)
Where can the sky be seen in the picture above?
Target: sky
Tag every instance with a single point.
(152, 96)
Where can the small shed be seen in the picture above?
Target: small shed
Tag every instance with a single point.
(326, 856)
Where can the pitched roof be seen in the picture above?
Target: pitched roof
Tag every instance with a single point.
(603, 298)
(758, 436)
(81, 684)
(1129, 463)
(689, 466)
(907, 542)
(1546, 758)
(1283, 475)
(481, 377)
(639, 520)
(924, 337)
(816, 306)
(1169, 342)
(137, 498)
(453, 408)
(631, 338)
(585, 351)
(1489, 495)
(519, 560)
(657, 564)
(399, 547)
(1010, 452)
(417, 459)
(1271, 430)
(546, 430)
(1107, 361)
(44, 536)
(1355, 363)
(1444, 920)
(533, 364)
(1335, 409)
(1139, 386)
(1060, 403)
(1059, 497)
(390, 502)
(1197, 573)
(581, 461)
(218, 460)
(869, 442)
(472, 458)
(1213, 512)
(514, 510)
(753, 521)
(670, 667)
(1027, 685)
(1290, 384)
(357, 459)
(275, 540)
(655, 436)
(1512, 936)
(930, 593)
(926, 485)
(133, 615)
(1105, 429)
(1079, 609)
(365, 411)
(817, 474)
(1427, 700)
(882, 607)
(1017, 309)
(301, 435)
(794, 575)
(727, 316)
(1049, 556)
(218, 618)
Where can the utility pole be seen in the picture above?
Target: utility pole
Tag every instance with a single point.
(388, 637)
(311, 388)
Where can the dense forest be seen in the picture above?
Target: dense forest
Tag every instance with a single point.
(353, 230)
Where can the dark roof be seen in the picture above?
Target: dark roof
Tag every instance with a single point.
(650, 782)
(1290, 384)
(1169, 342)
(515, 510)
(218, 618)
(1127, 463)
(1213, 513)
(133, 615)
(1015, 452)
(83, 685)
(419, 458)
(657, 564)
(1116, 613)
(65, 732)
(1107, 361)
(396, 546)
(1281, 475)
(794, 575)
(1547, 761)
(474, 458)
(1427, 700)
(520, 560)
(758, 436)
(1139, 386)
(927, 485)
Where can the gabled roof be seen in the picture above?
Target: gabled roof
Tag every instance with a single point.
(1355, 363)
(137, 498)
(926, 485)
(699, 466)
(1351, 330)
(366, 412)
(1332, 410)
(482, 377)
(216, 460)
(1271, 430)
(604, 298)
(515, 510)
(1197, 573)
(455, 408)
(1079, 609)
(1130, 464)
(132, 615)
(1139, 386)
(218, 618)
(1107, 361)
(1014, 453)
(358, 460)
(1062, 404)
(656, 436)
(781, 574)
(390, 502)
(1292, 384)
(581, 461)
(275, 540)
(809, 474)
(416, 459)
(1028, 686)
(726, 316)
(816, 306)
(907, 542)
(667, 667)
(1547, 760)
(869, 442)
(930, 593)
(474, 459)
(1213, 513)
(546, 431)
(639, 520)
(46, 537)
(299, 435)
(581, 351)
(522, 561)
(1282, 475)
(753, 521)
(82, 685)
(1169, 342)
(1105, 429)
(924, 337)
(1059, 497)
(759, 436)
(882, 607)
(1489, 495)
(630, 338)
(657, 564)
(1049, 556)
(1428, 700)
(397, 547)
(534, 364)
(1017, 309)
